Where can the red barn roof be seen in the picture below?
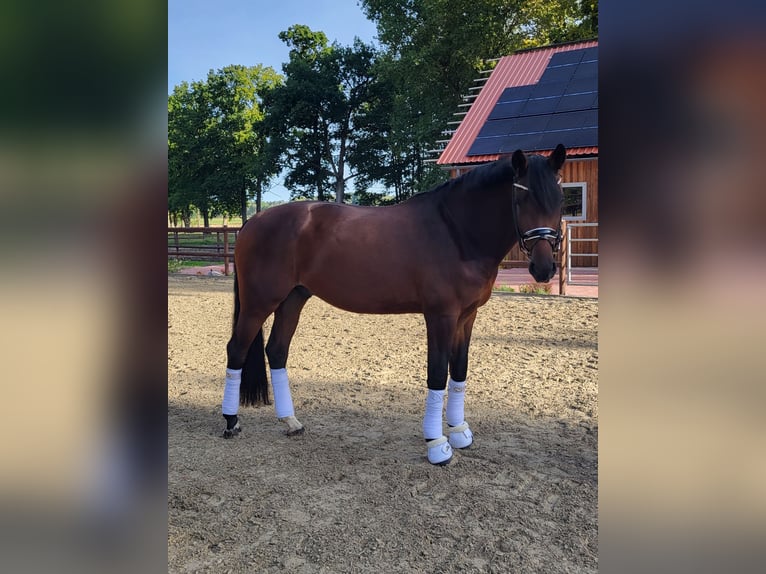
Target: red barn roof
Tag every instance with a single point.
(520, 69)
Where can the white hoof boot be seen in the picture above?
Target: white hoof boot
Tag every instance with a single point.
(439, 451)
(460, 436)
(294, 426)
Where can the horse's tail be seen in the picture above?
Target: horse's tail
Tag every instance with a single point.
(254, 387)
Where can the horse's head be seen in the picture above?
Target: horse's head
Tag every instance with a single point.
(537, 200)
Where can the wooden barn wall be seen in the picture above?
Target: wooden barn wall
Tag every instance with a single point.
(579, 170)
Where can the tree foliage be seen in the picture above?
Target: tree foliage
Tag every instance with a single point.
(218, 152)
(186, 150)
(316, 115)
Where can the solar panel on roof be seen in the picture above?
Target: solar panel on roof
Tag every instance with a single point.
(583, 138)
(541, 106)
(515, 94)
(514, 126)
(586, 70)
(506, 110)
(557, 74)
(497, 128)
(568, 57)
(582, 85)
(551, 140)
(575, 102)
(571, 120)
(511, 144)
(590, 54)
(570, 138)
(484, 147)
(562, 107)
(530, 124)
(548, 90)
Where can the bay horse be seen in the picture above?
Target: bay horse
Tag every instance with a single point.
(436, 254)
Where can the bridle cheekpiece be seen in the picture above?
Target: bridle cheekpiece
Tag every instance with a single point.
(529, 239)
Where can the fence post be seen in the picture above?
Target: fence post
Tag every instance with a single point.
(563, 259)
(225, 250)
(178, 249)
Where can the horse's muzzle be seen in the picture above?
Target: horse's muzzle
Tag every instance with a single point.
(542, 273)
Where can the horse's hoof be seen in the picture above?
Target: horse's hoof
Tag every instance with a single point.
(460, 436)
(235, 430)
(294, 426)
(439, 451)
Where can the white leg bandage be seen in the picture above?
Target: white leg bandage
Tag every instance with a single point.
(230, 404)
(460, 436)
(283, 400)
(439, 450)
(455, 403)
(432, 421)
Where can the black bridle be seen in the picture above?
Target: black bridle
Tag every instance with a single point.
(529, 239)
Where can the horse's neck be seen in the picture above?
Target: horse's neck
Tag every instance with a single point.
(483, 223)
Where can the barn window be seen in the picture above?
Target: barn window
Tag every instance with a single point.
(574, 200)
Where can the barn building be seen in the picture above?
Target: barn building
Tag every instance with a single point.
(533, 100)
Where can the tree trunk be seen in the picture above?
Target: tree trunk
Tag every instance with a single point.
(318, 162)
(205, 218)
(318, 173)
(340, 182)
(258, 194)
(418, 166)
(187, 218)
(243, 201)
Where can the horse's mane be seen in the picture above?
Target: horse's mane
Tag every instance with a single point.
(485, 176)
(501, 173)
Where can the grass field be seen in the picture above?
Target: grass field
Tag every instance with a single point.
(197, 221)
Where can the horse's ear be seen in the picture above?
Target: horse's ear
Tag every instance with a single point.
(519, 162)
(558, 157)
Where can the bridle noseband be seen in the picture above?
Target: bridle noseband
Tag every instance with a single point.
(529, 239)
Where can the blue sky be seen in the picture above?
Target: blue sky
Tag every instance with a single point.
(211, 34)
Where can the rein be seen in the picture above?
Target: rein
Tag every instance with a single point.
(552, 236)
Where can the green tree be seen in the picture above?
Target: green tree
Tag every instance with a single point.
(218, 152)
(295, 119)
(243, 163)
(186, 150)
(315, 115)
(397, 131)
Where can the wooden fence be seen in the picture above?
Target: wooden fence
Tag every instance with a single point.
(197, 243)
(208, 243)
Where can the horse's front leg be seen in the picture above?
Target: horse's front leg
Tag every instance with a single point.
(460, 435)
(440, 330)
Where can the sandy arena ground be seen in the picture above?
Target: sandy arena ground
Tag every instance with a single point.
(355, 493)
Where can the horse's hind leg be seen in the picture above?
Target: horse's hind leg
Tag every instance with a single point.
(247, 328)
(285, 322)
(460, 435)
